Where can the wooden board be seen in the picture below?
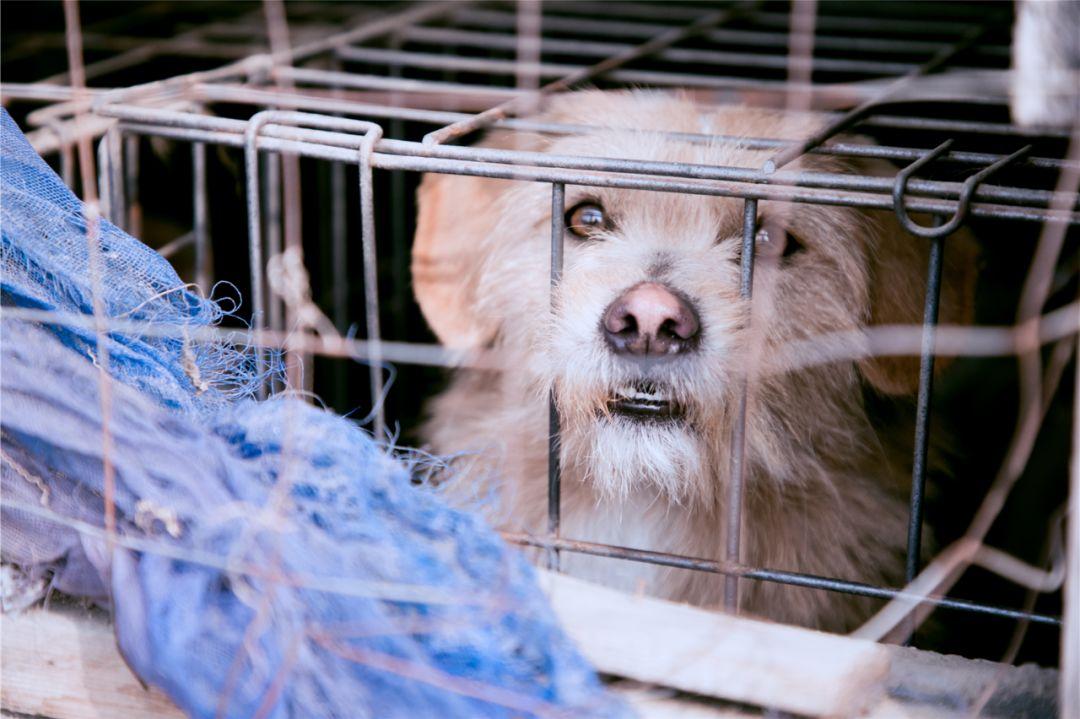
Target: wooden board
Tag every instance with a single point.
(66, 666)
(758, 663)
(63, 664)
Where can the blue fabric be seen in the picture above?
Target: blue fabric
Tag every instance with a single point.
(271, 557)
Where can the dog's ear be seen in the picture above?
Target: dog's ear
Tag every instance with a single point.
(455, 213)
(898, 277)
(455, 217)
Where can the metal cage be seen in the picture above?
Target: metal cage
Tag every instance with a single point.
(457, 68)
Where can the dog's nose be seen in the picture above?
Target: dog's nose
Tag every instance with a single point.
(650, 319)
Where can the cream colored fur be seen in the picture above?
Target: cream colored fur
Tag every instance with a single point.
(823, 495)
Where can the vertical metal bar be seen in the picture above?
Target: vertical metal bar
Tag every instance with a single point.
(738, 434)
(399, 239)
(255, 250)
(1069, 684)
(338, 247)
(371, 287)
(339, 254)
(271, 190)
(203, 271)
(298, 366)
(104, 177)
(339, 278)
(67, 153)
(67, 165)
(131, 184)
(802, 20)
(114, 142)
(558, 203)
(922, 410)
(528, 51)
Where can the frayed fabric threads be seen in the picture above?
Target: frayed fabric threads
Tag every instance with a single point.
(268, 557)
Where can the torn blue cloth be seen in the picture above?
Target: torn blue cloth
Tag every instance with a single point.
(269, 558)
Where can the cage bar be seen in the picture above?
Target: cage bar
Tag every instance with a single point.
(203, 271)
(737, 479)
(922, 411)
(558, 202)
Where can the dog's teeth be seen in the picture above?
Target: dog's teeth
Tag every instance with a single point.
(631, 393)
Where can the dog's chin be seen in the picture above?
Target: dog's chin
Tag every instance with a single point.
(640, 446)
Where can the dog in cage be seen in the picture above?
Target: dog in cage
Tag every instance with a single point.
(646, 343)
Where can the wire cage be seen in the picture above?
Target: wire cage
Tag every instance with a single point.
(326, 131)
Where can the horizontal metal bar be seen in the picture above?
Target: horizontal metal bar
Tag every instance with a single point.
(712, 188)
(197, 42)
(385, 161)
(596, 48)
(44, 92)
(867, 23)
(479, 161)
(509, 68)
(807, 179)
(825, 20)
(797, 579)
(845, 45)
(793, 194)
(972, 127)
(363, 81)
(827, 180)
(246, 95)
(611, 28)
(330, 78)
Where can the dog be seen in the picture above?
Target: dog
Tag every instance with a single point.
(645, 343)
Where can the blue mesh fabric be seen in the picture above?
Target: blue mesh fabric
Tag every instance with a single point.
(270, 557)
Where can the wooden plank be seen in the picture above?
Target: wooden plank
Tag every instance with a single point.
(717, 655)
(63, 665)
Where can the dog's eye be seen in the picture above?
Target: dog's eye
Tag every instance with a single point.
(775, 241)
(585, 218)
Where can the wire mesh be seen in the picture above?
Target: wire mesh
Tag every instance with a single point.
(456, 68)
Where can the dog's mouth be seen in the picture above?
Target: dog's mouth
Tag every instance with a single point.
(645, 401)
